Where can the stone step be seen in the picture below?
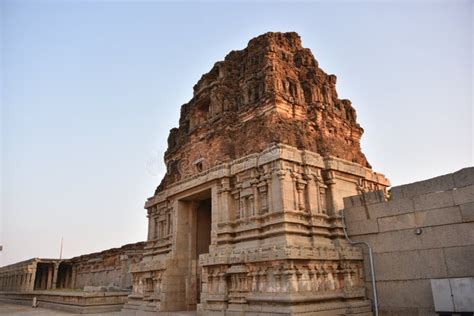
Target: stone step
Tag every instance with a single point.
(184, 313)
(130, 312)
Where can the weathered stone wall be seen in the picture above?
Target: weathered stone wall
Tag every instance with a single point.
(109, 267)
(443, 208)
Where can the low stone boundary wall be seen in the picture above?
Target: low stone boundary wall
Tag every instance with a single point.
(424, 230)
(74, 302)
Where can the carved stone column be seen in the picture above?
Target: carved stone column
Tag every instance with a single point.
(55, 275)
(331, 182)
(263, 197)
(300, 186)
(73, 277)
(49, 277)
(322, 202)
(312, 194)
(224, 201)
(254, 198)
(235, 205)
(151, 224)
(24, 282)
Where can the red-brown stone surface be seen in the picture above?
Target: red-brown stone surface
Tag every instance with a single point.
(270, 92)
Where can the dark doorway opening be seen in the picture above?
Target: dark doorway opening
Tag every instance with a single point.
(196, 215)
(44, 276)
(64, 280)
(203, 227)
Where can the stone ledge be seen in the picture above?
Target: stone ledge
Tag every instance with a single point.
(437, 184)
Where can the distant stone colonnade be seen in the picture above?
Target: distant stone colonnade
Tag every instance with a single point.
(37, 274)
(97, 269)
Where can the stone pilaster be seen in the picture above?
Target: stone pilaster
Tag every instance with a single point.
(312, 194)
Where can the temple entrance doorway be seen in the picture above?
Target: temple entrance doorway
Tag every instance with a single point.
(196, 212)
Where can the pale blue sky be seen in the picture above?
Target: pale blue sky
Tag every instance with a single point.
(91, 89)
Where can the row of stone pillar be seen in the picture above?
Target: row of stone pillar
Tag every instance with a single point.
(46, 277)
(21, 281)
(66, 279)
(39, 276)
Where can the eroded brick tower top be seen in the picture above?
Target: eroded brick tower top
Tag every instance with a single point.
(270, 92)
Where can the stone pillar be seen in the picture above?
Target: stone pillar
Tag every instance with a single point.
(24, 286)
(334, 203)
(124, 271)
(73, 277)
(49, 278)
(255, 199)
(294, 190)
(322, 203)
(19, 286)
(235, 205)
(277, 192)
(24, 281)
(214, 215)
(20, 281)
(31, 280)
(301, 194)
(312, 194)
(43, 278)
(268, 180)
(288, 190)
(151, 223)
(27, 283)
(17, 281)
(262, 197)
(69, 278)
(224, 201)
(55, 275)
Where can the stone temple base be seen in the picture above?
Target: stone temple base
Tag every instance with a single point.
(359, 308)
(261, 235)
(73, 302)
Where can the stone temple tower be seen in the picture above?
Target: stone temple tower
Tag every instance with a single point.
(247, 219)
